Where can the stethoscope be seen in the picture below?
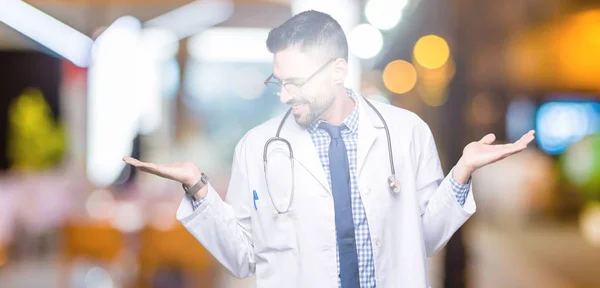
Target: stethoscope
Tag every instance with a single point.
(393, 183)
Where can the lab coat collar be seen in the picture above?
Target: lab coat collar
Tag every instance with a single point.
(306, 154)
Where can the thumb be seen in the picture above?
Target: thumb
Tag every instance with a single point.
(488, 139)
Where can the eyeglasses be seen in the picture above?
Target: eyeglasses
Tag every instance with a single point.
(295, 87)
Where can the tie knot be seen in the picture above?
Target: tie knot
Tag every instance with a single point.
(334, 131)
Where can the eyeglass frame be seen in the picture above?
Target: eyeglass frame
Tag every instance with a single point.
(299, 86)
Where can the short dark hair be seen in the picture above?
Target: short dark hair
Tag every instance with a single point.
(310, 30)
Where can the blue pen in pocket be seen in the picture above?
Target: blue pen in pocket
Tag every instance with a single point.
(255, 198)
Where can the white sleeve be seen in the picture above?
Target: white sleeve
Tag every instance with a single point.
(224, 227)
(441, 213)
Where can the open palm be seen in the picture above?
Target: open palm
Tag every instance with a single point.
(483, 152)
(183, 172)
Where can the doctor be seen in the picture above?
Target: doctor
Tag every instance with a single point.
(321, 211)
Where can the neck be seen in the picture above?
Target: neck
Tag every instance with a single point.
(340, 109)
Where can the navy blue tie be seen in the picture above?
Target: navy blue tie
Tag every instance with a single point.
(342, 202)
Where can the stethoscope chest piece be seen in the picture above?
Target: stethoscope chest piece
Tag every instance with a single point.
(394, 184)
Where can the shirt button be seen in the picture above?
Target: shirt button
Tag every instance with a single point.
(377, 242)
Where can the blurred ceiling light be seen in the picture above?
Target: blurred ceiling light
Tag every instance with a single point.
(365, 41)
(156, 46)
(46, 30)
(113, 110)
(384, 14)
(194, 17)
(431, 51)
(230, 45)
(399, 76)
(125, 30)
(158, 43)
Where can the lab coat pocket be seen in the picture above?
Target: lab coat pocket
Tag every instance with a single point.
(277, 230)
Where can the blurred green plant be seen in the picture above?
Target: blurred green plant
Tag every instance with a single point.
(580, 164)
(35, 140)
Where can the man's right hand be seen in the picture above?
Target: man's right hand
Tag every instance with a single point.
(186, 173)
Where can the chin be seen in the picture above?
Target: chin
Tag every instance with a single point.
(301, 120)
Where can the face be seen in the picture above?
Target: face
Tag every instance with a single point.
(316, 96)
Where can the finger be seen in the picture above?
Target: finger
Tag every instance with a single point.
(488, 139)
(514, 148)
(144, 166)
(527, 136)
(131, 161)
(525, 139)
(504, 150)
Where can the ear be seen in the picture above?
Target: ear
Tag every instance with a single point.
(340, 71)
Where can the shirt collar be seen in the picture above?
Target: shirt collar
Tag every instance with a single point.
(351, 122)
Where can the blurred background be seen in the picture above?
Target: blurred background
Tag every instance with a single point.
(86, 82)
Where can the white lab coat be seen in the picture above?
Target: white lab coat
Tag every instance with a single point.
(298, 249)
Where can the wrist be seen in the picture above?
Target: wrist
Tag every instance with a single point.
(462, 172)
(196, 187)
(201, 193)
(191, 181)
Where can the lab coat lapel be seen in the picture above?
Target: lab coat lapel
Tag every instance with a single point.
(305, 152)
(368, 122)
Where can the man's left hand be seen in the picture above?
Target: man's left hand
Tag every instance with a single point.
(481, 153)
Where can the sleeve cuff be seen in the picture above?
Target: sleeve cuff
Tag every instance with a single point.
(197, 203)
(460, 190)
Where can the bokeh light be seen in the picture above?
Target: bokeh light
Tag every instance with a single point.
(399, 76)
(568, 44)
(127, 217)
(431, 51)
(365, 41)
(100, 205)
(98, 277)
(384, 14)
(561, 123)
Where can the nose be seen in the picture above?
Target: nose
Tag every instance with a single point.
(284, 95)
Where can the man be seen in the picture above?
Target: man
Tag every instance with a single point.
(344, 227)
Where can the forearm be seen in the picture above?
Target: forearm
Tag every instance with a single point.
(215, 225)
(443, 214)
